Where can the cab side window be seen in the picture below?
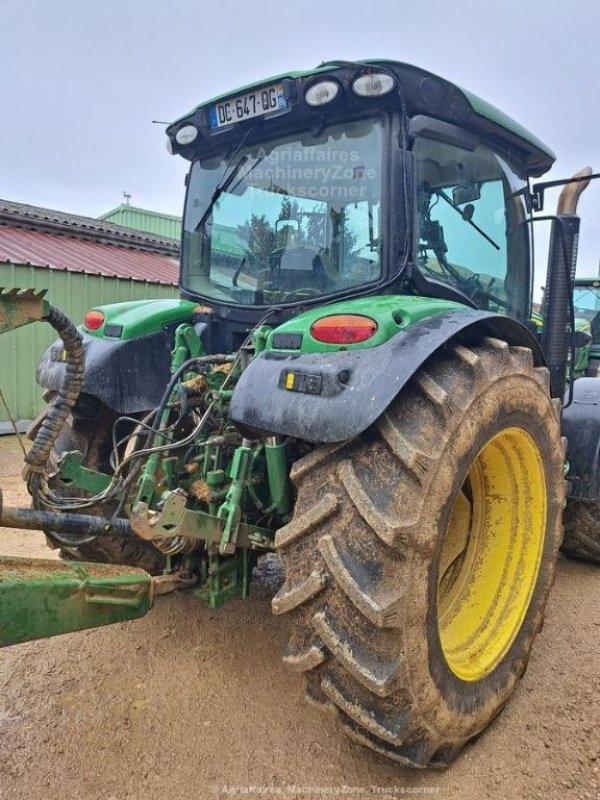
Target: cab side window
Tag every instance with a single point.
(471, 231)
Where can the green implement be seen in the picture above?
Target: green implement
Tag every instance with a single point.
(18, 308)
(40, 597)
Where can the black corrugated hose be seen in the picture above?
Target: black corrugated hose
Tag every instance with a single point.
(61, 405)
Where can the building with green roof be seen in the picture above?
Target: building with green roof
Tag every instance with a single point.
(167, 226)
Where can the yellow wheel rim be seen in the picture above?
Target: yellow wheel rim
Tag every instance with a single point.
(491, 554)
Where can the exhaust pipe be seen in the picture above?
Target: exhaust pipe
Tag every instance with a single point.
(562, 261)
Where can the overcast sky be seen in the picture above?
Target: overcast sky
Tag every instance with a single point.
(82, 81)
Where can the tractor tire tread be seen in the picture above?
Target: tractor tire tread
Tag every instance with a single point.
(350, 547)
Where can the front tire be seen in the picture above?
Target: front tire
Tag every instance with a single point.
(420, 556)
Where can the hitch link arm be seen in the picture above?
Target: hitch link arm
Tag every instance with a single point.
(231, 509)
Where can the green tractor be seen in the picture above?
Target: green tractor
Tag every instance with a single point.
(351, 379)
(586, 309)
(582, 514)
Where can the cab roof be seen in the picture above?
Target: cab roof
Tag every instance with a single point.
(419, 86)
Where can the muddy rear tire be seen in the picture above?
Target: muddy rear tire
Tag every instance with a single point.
(582, 531)
(452, 500)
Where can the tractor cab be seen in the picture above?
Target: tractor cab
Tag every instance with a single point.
(586, 311)
(355, 179)
(586, 304)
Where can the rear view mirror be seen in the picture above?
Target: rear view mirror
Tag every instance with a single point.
(465, 193)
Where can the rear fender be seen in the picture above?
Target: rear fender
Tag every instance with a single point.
(127, 376)
(127, 360)
(335, 396)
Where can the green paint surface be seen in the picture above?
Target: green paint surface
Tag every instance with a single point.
(142, 317)
(392, 313)
(40, 598)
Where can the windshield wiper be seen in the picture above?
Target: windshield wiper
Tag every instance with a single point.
(463, 215)
(221, 187)
(226, 179)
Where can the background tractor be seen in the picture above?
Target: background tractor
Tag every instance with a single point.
(351, 378)
(586, 308)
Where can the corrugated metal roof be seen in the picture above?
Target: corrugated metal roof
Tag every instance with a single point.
(165, 225)
(38, 248)
(39, 217)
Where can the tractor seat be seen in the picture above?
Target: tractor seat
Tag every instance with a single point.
(296, 268)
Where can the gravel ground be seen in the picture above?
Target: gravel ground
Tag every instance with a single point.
(190, 702)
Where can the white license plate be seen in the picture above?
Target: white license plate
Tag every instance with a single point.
(246, 106)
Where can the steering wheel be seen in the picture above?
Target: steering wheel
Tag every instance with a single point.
(305, 293)
(481, 295)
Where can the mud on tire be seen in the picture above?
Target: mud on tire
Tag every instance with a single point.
(582, 531)
(363, 553)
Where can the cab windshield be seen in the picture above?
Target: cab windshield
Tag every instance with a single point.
(297, 218)
(586, 300)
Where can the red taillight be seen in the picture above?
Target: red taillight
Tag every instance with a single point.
(343, 329)
(93, 320)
